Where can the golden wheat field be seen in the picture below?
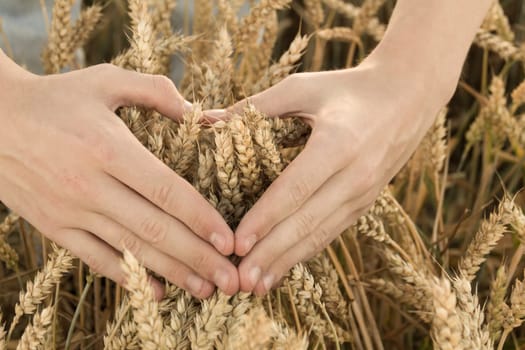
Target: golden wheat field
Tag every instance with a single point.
(437, 262)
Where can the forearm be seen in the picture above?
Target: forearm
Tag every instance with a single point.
(429, 40)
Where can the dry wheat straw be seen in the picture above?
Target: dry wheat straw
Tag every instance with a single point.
(56, 54)
(288, 61)
(251, 182)
(446, 327)
(209, 322)
(475, 333)
(498, 22)
(227, 175)
(3, 334)
(121, 333)
(84, 26)
(325, 274)
(339, 33)
(161, 17)
(496, 306)
(251, 330)
(265, 143)
(182, 148)
(346, 9)
(142, 38)
(59, 263)
(286, 339)
(8, 254)
(250, 24)
(488, 235)
(150, 329)
(505, 49)
(8, 224)
(216, 89)
(35, 334)
(314, 12)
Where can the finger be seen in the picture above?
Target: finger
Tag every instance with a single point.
(297, 183)
(271, 101)
(130, 88)
(173, 270)
(212, 116)
(165, 233)
(320, 238)
(298, 226)
(160, 185)
(100, 257)
(303, 223)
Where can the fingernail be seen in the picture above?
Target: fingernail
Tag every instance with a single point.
(268, 282)
(254, 275)
(216, 113)
(217, 241)
(194, 284)
(249, 243)
(222, 279)
(158, 288)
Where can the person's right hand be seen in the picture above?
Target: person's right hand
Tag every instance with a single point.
(73, 169)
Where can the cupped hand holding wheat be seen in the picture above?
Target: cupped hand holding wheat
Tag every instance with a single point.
(360, 138)
(366, 123)
(73, 169)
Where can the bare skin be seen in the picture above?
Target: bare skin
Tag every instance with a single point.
(367, 121)
(73, 169)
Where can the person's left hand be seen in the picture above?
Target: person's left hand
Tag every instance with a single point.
(366, 123)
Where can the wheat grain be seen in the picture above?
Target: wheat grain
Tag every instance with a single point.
(56, 54)
(446, 327)
(209, 321)
(59, 263)
(227, 175)
(150, 329)
(484, 241)
(250, 24)
(35, 334)
(502, 47)
(3, 345)
(346, 9)
(497, 21)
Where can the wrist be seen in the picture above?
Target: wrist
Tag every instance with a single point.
(422, 77)
(427, 42)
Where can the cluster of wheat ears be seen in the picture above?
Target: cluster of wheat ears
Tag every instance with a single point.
(437, 261)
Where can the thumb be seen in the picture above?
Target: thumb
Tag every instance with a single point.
(281, 100)
(130, 88)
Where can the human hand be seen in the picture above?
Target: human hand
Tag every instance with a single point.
(366, 122)
(72, 168)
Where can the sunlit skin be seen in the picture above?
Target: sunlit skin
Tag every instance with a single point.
(73, 169)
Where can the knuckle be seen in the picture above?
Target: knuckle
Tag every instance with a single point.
(102, 149)
(153, 230)
(74, 185)
(303, 223)
(164, 196)
(299, 192)
(197, 222)
(104, 68)
(367, 179)
(319, 240)
(201, 262)
(174, 274)
(164, 83)
(94, 263)
(131, 243)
